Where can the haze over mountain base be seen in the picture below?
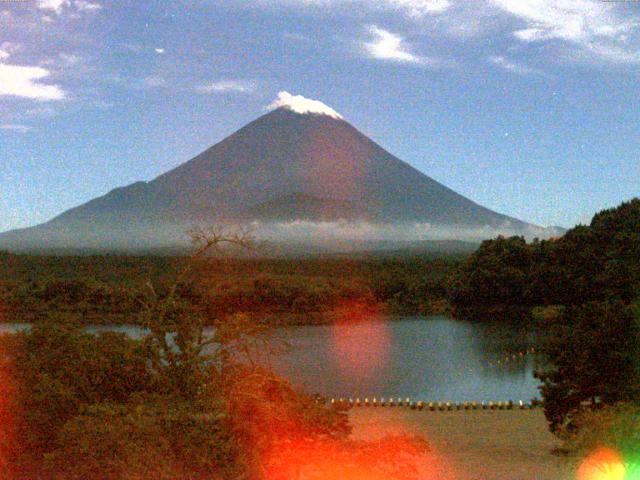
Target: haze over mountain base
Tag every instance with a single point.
(298, 236)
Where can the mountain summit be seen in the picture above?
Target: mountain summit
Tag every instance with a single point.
(302, 105)
(300, 164)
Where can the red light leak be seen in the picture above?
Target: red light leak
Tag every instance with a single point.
(362, 350)
(8, 415)
(329, 167)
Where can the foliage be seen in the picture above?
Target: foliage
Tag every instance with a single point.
(592, 350)
(55, 370)
(164, 440)
(497, 274)
(493, 284)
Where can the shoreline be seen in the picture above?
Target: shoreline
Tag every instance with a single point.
(320, 319)
(290, 320)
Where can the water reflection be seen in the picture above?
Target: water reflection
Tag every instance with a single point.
(435, 359)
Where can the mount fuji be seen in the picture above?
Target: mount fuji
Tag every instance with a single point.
(300, 172)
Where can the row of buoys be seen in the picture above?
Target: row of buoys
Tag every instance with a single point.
(433, 406)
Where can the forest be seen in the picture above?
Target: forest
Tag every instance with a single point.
(590, 263)
(108, 289)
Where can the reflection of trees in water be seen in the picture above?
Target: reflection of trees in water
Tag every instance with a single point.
(508, 348)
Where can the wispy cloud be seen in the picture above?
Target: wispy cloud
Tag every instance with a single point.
(410, 8)
(69, 59)
(514, 67)
(595, 26)
(25, 82)
(226, 86)
(419, 8)
(153, 82)
(14, 127)
(85, 6)
(54, 5)
(390, 47)
(59, 6)
(7, 49)
(613, 53)
(42, 111)
(583, 30)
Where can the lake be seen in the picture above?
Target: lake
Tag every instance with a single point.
(431, 359)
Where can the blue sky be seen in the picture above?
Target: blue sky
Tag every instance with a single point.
(529, 107)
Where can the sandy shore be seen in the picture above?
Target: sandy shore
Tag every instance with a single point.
(473, 445)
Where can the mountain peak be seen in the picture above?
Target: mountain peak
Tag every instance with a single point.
(303, 105)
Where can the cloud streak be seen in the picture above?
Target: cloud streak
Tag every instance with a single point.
(53, 5)
(25, 82)
(7, 49)
(513, 67)
(418, 8)
(390, 47)
(227, 86)
(59, 6)
(592, 30)
(16, 127)
(85, 6)
(410, 8)
(349, 231)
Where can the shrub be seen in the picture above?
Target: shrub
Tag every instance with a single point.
(167, 441)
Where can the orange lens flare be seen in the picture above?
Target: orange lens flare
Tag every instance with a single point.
(603, 464)
(401, 436)
(393, 458)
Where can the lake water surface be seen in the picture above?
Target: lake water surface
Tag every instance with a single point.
(431, 359)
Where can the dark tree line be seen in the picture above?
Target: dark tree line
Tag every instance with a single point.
(109, 289)
(591, 263)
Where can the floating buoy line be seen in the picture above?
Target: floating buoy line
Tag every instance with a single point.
(444, 406)
(430, 406)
